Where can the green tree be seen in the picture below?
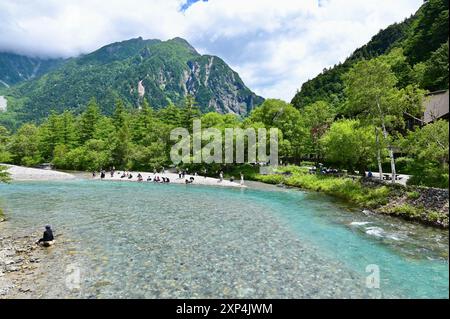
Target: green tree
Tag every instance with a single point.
(350, 145)
(435, 75)
(316, 118)
(142, 122)
(190, 112)
(428, 32)
(88, 120)
(275, 113)
(57, 130)
(430, 143)
(4, 178)
(5, 155)
(121, 142)
(171, 115)
(25, 146)
(371, 91)
(429, 149)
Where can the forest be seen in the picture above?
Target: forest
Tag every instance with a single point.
(420, 44)
(369, 133)
(364, 114)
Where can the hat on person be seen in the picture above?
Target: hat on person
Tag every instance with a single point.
(48, 227)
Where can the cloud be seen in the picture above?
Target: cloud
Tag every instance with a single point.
(275, 45)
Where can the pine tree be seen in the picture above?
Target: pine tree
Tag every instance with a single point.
(88, 120)
(122, 145)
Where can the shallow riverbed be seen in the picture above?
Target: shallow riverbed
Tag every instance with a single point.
(131, 240)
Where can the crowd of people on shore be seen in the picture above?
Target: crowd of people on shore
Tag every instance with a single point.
(129, 176)
(157, 179)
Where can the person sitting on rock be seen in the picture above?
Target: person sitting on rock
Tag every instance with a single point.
(47, 239)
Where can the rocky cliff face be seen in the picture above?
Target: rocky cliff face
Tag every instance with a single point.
(162, 72)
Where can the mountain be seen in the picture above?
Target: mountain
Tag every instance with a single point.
(162, 72)
(423, 39)
(16, 68)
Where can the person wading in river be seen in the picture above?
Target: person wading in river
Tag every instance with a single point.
(47, 239)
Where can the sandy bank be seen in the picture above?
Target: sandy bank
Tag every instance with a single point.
(174, 179)
(20, 173)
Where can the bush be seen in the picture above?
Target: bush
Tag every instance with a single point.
(413, 195)
(429, 175)
(4, 175)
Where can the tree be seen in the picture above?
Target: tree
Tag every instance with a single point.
(88, 120)
(25, 146)
(4, 177)
(171, 115)
(371, 91)
(69, 134)
(275, 113)
(121, 140)
(435, 75)
(399, 66)
(190, 111)
(430, 143)
(428, 32)
(57, 130)
(350, 145)
(142, 122)
(428, 147)
(5, 155)
(316, 118)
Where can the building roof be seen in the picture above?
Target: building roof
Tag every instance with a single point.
(436, 106)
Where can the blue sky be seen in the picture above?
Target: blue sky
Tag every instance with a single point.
(188, 3)
(275, 45)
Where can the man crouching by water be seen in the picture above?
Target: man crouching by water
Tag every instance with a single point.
(48, 239)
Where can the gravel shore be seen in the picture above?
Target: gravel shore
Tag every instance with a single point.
(20, 173)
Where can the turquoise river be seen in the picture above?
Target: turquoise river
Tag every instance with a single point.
(146, 240)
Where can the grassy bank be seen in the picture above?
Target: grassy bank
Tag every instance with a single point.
(351, 190)
(416, 213)
(393, 200)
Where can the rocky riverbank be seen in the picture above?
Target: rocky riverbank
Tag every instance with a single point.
(20, 261)
(422, 204)
(429, 206)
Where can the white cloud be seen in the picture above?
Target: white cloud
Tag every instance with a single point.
(275, 45)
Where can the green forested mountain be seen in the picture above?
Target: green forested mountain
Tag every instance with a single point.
(162, 72)
(16, 68)
(420, 44)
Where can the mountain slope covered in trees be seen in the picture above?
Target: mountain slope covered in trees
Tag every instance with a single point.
(16, 68)
(420, 44)
(161, 72)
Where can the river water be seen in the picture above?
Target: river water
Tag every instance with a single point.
(131, 240)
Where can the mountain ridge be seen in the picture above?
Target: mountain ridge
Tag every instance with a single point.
(163, 72)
